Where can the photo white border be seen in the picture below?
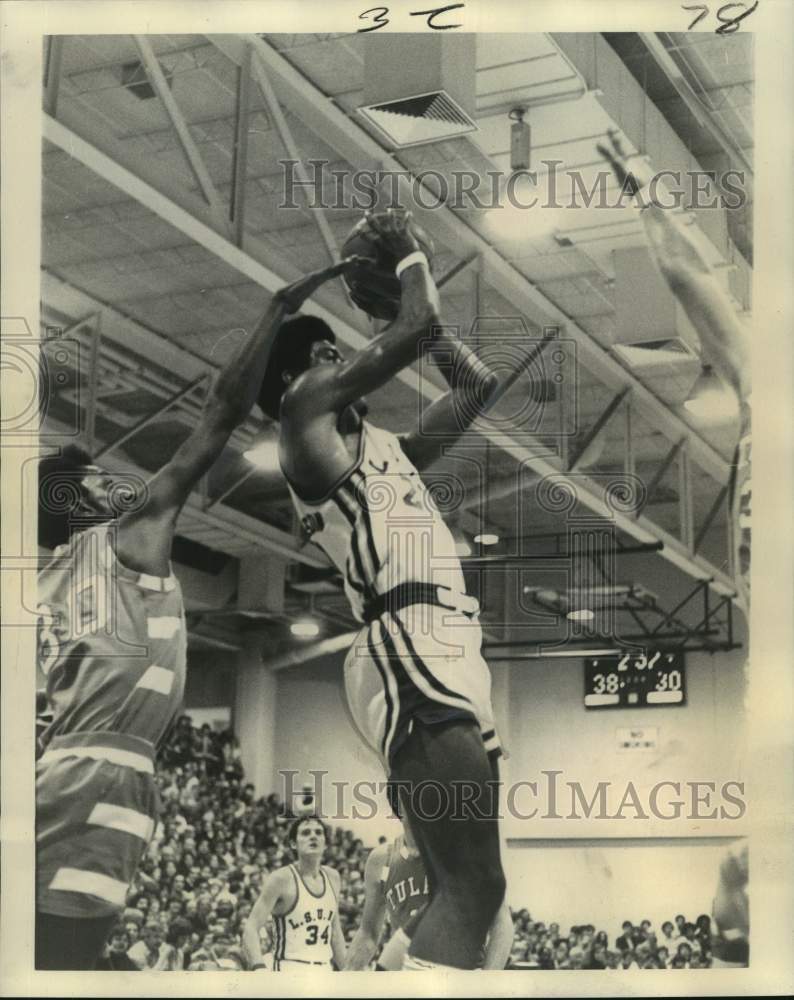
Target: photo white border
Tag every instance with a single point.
(23, 23)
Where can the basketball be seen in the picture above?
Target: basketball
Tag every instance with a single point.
(374, 287)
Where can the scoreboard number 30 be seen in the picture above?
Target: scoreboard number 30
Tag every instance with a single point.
(635, 680)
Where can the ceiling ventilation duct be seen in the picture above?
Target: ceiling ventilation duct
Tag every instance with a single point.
(419, 88)
(134, 77)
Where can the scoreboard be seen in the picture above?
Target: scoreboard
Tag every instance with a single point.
(635, 680)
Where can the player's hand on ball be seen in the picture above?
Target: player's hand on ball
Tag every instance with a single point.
(394, 231)
(632, 170)
(293, 296)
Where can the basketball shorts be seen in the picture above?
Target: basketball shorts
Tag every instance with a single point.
(96, 803)
(300, 966)
(394, 951)
(421, 662)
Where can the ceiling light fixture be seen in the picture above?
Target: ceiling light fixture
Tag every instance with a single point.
(583, 615)
(305, 629)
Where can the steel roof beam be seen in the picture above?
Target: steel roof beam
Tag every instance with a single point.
(319, 114)
(107, 168)
(155, 73)
(683, 88)
(235, 525)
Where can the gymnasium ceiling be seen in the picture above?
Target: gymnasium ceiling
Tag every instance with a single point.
(143, 256)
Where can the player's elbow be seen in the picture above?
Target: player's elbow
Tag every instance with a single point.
(422, 316)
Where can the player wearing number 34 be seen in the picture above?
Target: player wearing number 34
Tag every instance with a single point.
(302, 898)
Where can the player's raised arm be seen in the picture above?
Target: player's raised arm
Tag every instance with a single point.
(365, 941)
(144, 537)
(473, 384)
(274, 888)
(688, 274)
(334, 388)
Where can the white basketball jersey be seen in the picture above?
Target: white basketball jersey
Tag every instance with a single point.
(380, 526)
(304, 933)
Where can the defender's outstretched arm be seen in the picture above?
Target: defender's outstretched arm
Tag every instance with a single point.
(335, 388)
(145, 536)
(688, 274)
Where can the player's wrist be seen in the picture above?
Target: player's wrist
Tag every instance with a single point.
(643, 197)
(258, 965)
(411, 259)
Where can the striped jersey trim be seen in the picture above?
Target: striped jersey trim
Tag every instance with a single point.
(390, 692)
(358, 489)
(124, 758)
(163, 626)
(279, 925)
(121, 818)
(356, 575)
(329, 494)
(157, 583)
(90, 884)
(157, 679)
(432, 686)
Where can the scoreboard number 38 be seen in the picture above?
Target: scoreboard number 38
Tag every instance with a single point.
(635, 680)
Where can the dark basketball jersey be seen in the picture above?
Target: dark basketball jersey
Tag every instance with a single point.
(405, 884)
(111, 642)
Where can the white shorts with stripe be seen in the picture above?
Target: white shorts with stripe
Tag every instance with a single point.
(299, 966)
(421, 662)
(96, 803)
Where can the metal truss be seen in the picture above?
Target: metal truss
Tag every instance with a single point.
(221, 230)
(695, 624)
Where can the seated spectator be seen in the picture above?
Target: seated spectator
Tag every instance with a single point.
(626, 940)
(598, 957)
(668, 933)
(115, 957)
(149, 953)
(651, 962)
(216, 842)
(691, 938)
(703, 930)
(177, 949)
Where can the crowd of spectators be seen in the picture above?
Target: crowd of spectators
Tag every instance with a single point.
(203, 870)
(680, 944)
(216, 842)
